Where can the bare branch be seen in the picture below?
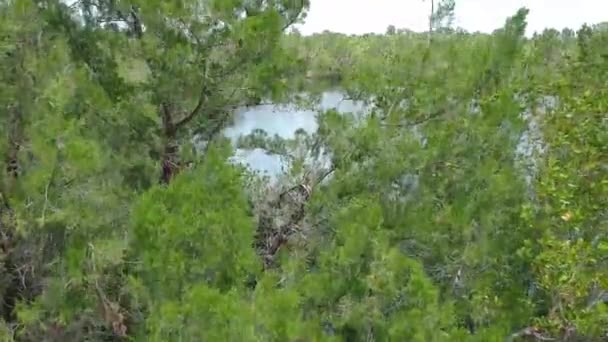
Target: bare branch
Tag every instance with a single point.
(290, 227)
(325, 175)
(429, 117)
(529, 332)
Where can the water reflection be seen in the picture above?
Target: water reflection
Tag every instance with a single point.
(284, 121)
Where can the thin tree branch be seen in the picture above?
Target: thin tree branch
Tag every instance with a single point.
(325, 175)
(430, 117)
(213, 111)
(295, 18)
(202, 100)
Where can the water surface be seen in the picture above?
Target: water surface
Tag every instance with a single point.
(284, 121)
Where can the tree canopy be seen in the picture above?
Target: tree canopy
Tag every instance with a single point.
(469, 203)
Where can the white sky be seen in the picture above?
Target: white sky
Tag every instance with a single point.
(362, 16)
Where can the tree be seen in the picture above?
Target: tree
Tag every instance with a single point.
(64, 143)
(76, 156)
(197, 62)
(466, 204)
(442, 16)
(451, 190)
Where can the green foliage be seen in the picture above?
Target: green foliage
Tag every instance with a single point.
(197, 230)
(434, 221)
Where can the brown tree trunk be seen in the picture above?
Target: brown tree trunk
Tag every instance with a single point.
(8, 240)
(15, 135)
(169, 158)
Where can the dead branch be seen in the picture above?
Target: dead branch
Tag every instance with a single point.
(529, 332)
(110, 311)
(298, 196)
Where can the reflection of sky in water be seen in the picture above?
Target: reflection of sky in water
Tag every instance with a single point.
(283, 121)
(286, 120)
(272, 119)
(258, 159)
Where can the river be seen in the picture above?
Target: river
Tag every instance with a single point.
(284, 121)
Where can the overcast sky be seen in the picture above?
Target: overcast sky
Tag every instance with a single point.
(362, 16)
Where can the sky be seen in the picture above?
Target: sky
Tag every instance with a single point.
(363, 16)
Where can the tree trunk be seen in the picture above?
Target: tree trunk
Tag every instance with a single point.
(14, 140)
(8, 241)
(169, 158)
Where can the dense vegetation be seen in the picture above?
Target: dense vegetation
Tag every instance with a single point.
(469, 204)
